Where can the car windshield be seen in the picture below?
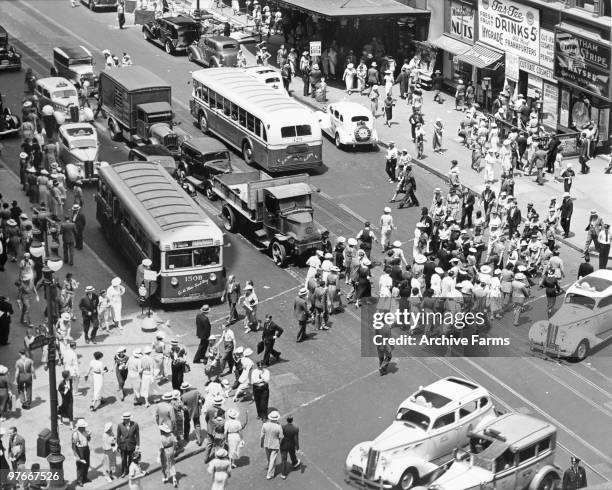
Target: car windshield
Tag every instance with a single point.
(580, 300)
(84, 143)
(64, 94)
(215, 156)
(188, 34)
(360, 118)
(193, 257)
(293, 131)
(230, 47)
(160, 117)
(84, 131)
(80, 61)
(413, 418)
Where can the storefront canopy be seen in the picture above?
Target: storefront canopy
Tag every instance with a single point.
(451, 45)
(480, 56)
(352, 8)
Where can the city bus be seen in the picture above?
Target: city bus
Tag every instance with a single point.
(274, 131)
(145, 213)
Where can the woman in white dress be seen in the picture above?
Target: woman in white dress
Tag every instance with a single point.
(494, 300)
(96, 370)
(135, 473)
(114, 294)
(349, 77)
(105, 312)
(233, 436)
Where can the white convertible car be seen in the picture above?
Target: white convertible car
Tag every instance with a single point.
(348, 124)
(78, 148)
(428, 427)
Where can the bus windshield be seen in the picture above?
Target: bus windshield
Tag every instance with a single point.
(192, 257)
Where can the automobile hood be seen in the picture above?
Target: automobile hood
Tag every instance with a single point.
(571, 316)
(462, 476)
(396, 435)
(85, 154)
(220, 167)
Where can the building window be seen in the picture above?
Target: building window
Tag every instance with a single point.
(588, 5)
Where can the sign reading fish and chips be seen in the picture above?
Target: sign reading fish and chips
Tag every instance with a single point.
(510, 27)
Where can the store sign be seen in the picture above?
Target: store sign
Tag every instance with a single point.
(550, 104)
(462, 20)
(564, 108)
(512, 66)
(547, 49)
(535, 69)
(315, 48)
(534, 86)
(582, 62)
(510, 27)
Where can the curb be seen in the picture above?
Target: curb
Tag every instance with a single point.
(439, 174)
(153, 468)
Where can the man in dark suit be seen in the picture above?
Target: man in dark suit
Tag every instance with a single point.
(271, 331)
(192, 399)
(89, 309)
(514, 218)
(68, 232)
(203, 333)
(128, 440)
(575, 476)
(302, 313)
(585, 268)
(567, 209)
(290, 443)
(78, 218)
(467, 208)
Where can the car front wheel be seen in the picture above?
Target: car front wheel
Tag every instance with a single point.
(582, 351)
(145, 35)
(407, 480)
(337, 141)
(549, 482)
(169, 47)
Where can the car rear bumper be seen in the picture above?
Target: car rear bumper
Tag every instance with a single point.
(10, 65)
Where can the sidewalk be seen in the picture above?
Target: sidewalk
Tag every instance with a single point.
(588, 191)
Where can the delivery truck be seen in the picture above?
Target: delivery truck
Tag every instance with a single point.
(278, 211)
(137, 102)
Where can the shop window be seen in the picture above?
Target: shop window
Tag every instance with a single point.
(588, 5)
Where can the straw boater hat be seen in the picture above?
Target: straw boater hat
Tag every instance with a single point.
(232, 413)
(185, 385)
(205, 308)
(420, 259)
(167, 396)
(116, 281)
(303, 292)
(485, 269)
(147, 262)
(137, 353)
(520, 276)
(274, 415)
(341, 239)
(239, 350)
(387, 210)
(3, 369)
(90, 289)
(439, 270)
(66, 316)
(81, 424)
(247, 352)
(121, 349)
(351, 241)
(397, 244)
(221, 453)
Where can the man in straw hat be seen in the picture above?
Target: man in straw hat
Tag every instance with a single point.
(80, 447)
(203, 329)
(128, 441)
(89, 311)
(213, 414)
(193, 401)
(302, 313)
(270, 440)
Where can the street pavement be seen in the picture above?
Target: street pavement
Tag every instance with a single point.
(337, 396)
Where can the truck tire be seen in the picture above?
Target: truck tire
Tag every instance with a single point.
(549, 482)
(407, 480)
(278, 251)
(247, 153)
(112, 130)
(203, 122)
(230, 221)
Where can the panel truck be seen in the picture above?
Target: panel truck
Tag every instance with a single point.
(136, 101)
(277, 210)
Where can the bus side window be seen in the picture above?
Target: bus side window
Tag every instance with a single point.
(213, 97)
(264, 135)
(250, 122)
(204, 94)
(242, 117)
(257, 127)
(234, 111)
(227, 107)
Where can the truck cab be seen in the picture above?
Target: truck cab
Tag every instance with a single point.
(154, 124)
(74, 63)
(288, 220)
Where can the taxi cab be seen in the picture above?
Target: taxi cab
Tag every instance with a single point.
(514, 451)
(428, 427)
(59, 93)
(583, 322)
(349, 124)
(78, 149)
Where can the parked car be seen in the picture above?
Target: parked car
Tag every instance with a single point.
(10, 124)
(583, 321)
(514, 451)
(60, 94)
(9, 58)
(268, 75)
(78, 148)
(214, 51)
(348, 124)
(174, 34)
(74, 63)
(429, 425)
(96, 4)
(154, 153)
(202, 158)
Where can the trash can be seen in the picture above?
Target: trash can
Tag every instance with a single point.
(42, 443)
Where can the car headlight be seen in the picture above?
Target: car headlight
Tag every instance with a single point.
(174, 282)
(363, 452)
(384, 462)
(212, 276)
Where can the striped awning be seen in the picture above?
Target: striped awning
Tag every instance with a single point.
(451, 45)
(480, 56)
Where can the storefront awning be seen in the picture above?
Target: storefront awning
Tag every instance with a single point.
(480, 56)
(352, 8)
(451, 45)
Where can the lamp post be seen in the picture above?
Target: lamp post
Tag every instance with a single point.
(55, 457)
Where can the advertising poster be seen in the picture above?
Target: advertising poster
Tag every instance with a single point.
(550, 101)
(534, 86)
(512, 66)
(510, 27)
(564, 108)
(462, 21)
(315, 48)
(582, 62)
(547, 49)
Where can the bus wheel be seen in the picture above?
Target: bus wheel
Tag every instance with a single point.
(112, 129)
(229, 218)
(203, 123)
(247, 153)
(279, 254)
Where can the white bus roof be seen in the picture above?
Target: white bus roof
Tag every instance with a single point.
(145, 188)
(257, 98)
